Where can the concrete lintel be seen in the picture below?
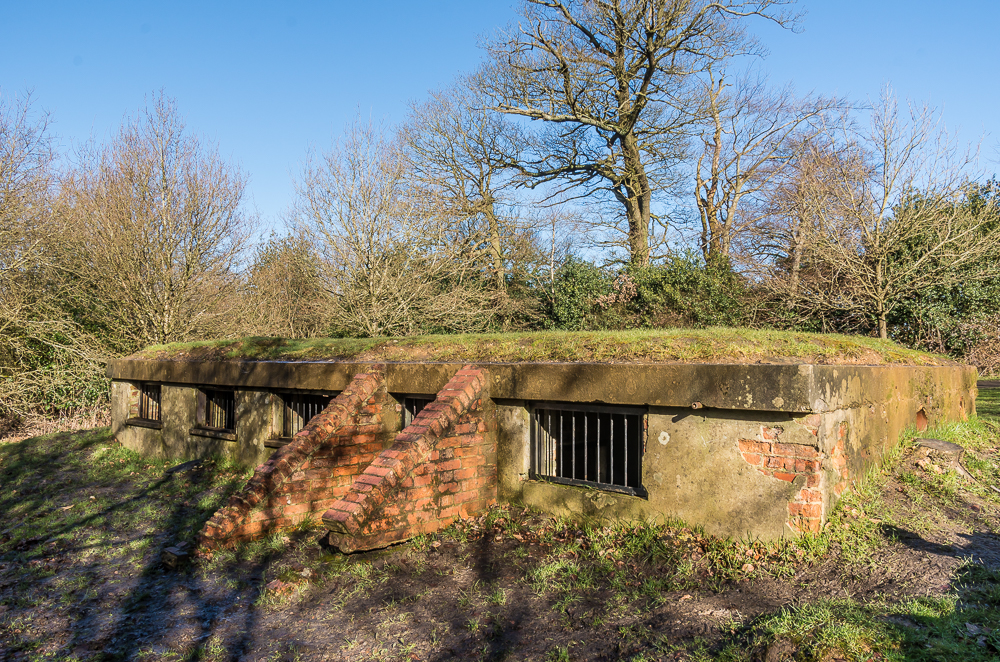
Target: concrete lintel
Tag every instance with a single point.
(756, 387)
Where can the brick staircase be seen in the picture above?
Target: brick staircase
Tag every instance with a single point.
(370, 486)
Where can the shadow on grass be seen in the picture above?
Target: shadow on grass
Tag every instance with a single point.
(80, 566)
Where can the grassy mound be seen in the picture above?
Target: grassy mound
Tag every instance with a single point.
(713, 345)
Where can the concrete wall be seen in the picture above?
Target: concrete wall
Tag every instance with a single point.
(770, 473)
(254, 425)
(764, 449)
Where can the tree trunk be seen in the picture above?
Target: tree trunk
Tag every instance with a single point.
(496, 248)
(636, 200)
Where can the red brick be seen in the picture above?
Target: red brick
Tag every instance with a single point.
(813, 480)
(463, 474)
(811, 496)
(771, 433)
(376, 469)
(751, 458)
(296, 509)
(450, 464)
(462, 497)
(750, 446)
(806, 509)
(794, 450)
(784, 476)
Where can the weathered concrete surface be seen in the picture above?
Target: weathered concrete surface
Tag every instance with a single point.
(693, 467)
(178, 412)
(768, 450)
(758, 387)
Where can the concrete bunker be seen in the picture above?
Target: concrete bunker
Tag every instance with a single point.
(380, 452)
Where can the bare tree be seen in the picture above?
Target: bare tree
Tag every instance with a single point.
(42, 351)
(896, 220)
(283, 293)
(456, 155)
(162, 221)
(391, 266)
(608, 81)
(751, 135)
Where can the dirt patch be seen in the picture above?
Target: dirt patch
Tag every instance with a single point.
(82, 573)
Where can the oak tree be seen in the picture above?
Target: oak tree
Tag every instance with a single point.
(608, 83)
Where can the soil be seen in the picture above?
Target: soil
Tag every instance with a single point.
(512, 584)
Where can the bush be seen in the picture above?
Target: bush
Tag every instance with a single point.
(683, 291)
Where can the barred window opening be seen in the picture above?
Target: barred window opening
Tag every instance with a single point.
(149, 402)
(297, 409)
(589, 445)
(220, 410)
(413, 405)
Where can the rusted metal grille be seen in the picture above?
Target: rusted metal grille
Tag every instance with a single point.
(220, 410)
(298, 409)
(589, 445)
(149, 402)
(412, 405)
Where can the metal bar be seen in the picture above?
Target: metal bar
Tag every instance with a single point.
(598, 476)
(573, 419)
(534, 443)
(560, 455)
(611, 476)
(626, 450)
(586, 440)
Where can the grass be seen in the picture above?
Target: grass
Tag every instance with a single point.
(988, 403)
(87, 520)
(913, 630)
(723, 345)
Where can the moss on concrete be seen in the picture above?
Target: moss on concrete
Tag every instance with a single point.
(713, 345)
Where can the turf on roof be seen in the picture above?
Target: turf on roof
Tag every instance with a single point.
(713, 345)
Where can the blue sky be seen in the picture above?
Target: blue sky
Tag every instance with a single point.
(267, 81)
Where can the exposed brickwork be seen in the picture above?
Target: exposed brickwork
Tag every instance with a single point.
(839, 460)
(441, 467)
(305, 477)
(133, 401)
(787, 462)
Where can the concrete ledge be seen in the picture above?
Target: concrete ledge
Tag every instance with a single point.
(212, 434)
(144, 423)
(756, 387)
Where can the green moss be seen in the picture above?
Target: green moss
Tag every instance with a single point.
(713, 345)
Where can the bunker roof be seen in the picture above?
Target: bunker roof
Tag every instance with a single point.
(711, 345)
